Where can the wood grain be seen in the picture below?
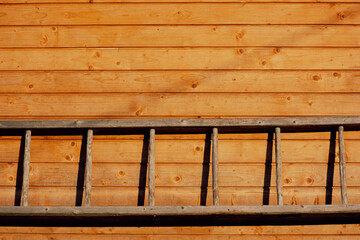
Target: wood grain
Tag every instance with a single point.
(179, 58)
(181, 36)
(180, 13)
(178, 81)
(15, 106)
(347, 229)
(43, 174)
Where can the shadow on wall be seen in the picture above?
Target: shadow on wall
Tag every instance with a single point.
(204, 178)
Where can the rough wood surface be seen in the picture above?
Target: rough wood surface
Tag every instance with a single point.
(342, 165)
(26, 169)
(180, 13)
(88, 167)
(279, 169)
(215, 166)
(151, 174)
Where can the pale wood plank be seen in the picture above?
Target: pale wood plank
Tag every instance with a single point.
(178, 81)
(178, 13)
(180, 36)
(336, 229)
(180, 58)
(16, 106)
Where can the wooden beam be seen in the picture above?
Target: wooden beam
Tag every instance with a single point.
(215, 167)
(279, 185)
(258, 123)
(26, 169)
(88, 169)
(342, 165)
(273, 210)
(151, 175)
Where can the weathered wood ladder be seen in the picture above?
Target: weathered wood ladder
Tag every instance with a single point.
(151, 214)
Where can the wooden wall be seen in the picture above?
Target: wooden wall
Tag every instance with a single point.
(67, 59)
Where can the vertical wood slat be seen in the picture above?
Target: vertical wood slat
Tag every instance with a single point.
(342, 165)
(26, 169)
(88, 167)
(215, 164)
(151, 175)
(279, 185)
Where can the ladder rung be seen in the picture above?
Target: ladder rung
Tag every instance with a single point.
(26, 169)
(151, 177)
(279, 185)
(342, 165)
(215, 163)
(88, 168)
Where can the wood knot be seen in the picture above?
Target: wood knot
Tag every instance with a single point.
(335, 74)
(91, 67)
(67, 157)
(341, 15)
(288, 98)
(198, 148)
(97, 54)
(122, 173)
(177, 178)
(316, 78)
(54, 29)
(194, 85)
(309, 180)
(118, 63)
(277, 50)
(287, 180)
(11, 178)
(31, 86)
(263, 63)
(72, 144)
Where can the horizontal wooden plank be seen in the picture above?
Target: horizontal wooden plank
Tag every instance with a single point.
(60, 174)
(180, 13)
(181, 36)
(180, 151)
(179, 58)
(349, 135)
(178, 237)
(335, 229)
(15, 106)
(166, 1)
(180, 196)
(178, 81)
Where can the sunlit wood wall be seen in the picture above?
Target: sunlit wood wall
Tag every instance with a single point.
(77, 59)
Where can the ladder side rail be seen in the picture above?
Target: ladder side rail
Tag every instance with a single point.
(151, 174)
(26, 169)
(215, 167)
(88, 167)
(279, 184)
(342, 165)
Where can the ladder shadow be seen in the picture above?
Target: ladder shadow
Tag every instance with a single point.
(205, 171)
(268, 168)
(81, 172)
(143, 171)
(330, 169)
(19, 172)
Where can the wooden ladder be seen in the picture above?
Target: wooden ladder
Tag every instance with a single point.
(188, 215)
